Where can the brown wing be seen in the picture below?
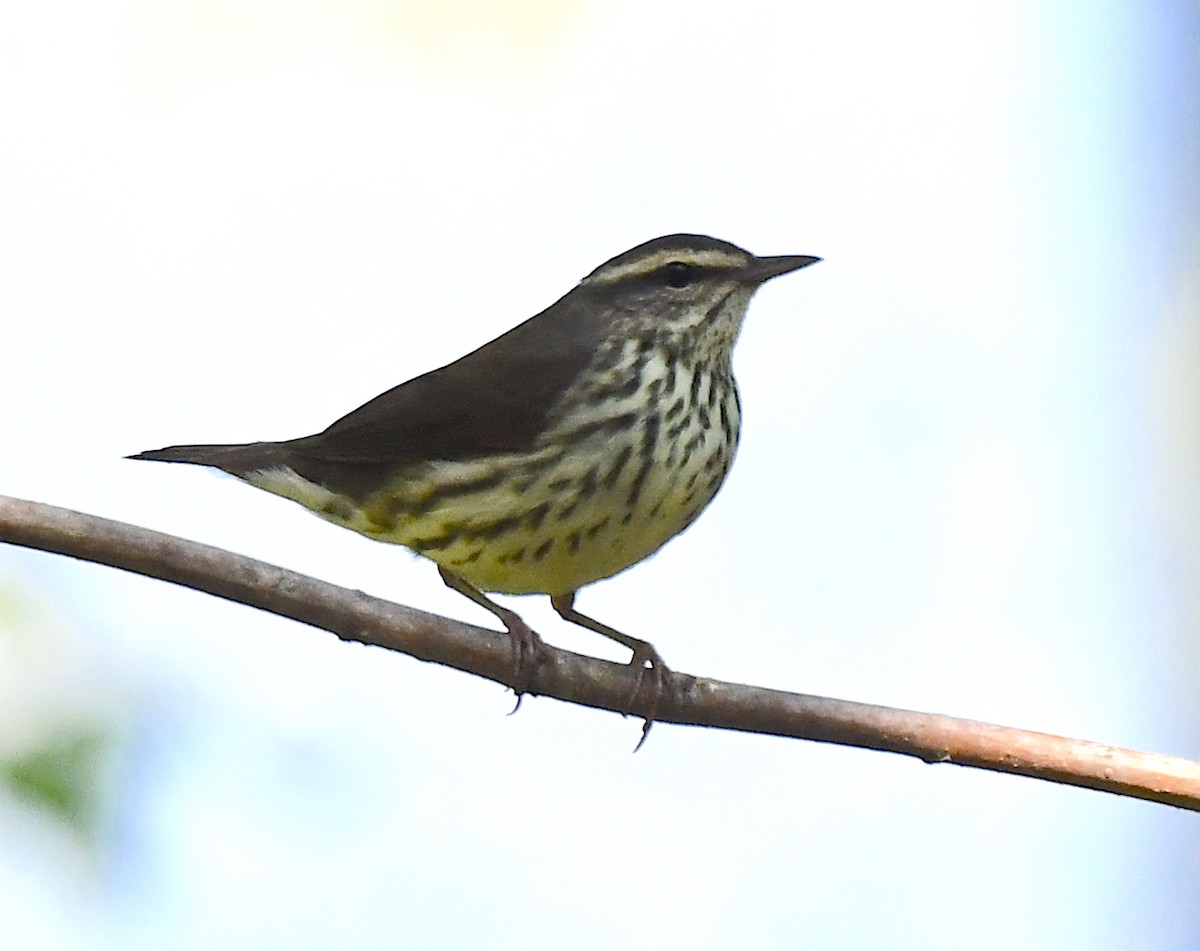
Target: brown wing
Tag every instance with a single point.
(495, 399)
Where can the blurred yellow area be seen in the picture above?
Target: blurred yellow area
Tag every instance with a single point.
(179, 42)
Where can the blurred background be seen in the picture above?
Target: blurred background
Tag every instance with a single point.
(967, 480)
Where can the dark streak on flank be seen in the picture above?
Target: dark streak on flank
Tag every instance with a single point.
(435, 543)
(587, 485)
(676, 408)
(610, 426)
(610, 477)
(537, 515)
(495, 530)
(649, 442)
(452, 489)
(677, 430)
(697, 379)
(587, 488)
(715, 390)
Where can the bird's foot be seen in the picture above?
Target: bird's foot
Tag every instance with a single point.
(527, 654)
(657, 678)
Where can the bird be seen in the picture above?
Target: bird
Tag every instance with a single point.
(561, 453)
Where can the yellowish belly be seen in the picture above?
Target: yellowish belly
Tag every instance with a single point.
(578, 521)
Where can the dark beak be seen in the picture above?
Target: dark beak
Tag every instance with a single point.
(763, 269)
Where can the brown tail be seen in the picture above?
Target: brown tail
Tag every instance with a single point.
(237, 460)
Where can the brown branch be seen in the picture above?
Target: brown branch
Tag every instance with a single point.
(354, 616)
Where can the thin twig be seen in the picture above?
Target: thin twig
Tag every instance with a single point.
(354, 616)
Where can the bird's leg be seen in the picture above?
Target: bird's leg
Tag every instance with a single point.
(644, 657)
(526, 644)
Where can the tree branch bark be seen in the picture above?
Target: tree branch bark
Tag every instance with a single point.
(355, 616)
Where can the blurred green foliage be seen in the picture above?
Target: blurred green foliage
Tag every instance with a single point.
(58, 737)
(64, 777)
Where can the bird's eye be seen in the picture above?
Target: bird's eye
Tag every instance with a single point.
(679, 274)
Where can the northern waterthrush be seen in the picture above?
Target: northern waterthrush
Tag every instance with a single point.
(564, 451)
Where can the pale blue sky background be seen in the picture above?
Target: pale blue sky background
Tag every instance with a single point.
(967, 480)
